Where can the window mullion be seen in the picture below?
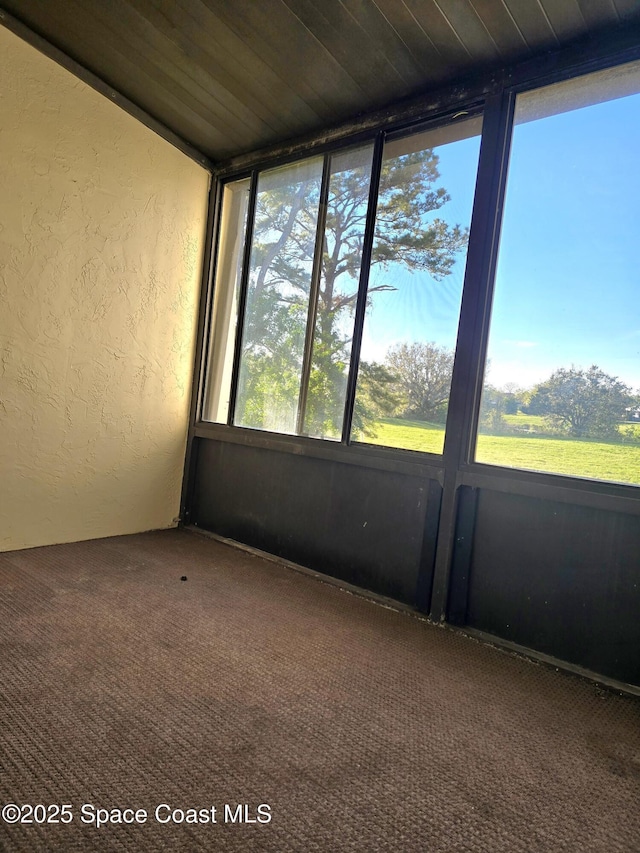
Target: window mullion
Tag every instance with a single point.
(363, 285)
(244, 285)
(314, 291)
(471, 343)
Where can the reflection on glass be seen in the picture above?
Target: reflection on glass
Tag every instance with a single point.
(424, 210)
(225, 300)
(341, 256)
(561, 387)
(281, 262)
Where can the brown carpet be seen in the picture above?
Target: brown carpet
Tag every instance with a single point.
(363, 729)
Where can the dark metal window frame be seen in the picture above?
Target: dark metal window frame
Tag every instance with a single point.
(495, 98)
(326, 153)
(602, 494)
(402, 130)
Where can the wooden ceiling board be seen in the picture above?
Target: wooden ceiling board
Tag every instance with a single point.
(265, 63)
(464, 21)
(504, 31)
(626, 8)
(430, 18)
(152, 75)
(291, 49)
(163, 61)
(130, 76)
(229, 77)
(234, 63)
(380, 31)
(533, 23)
(344, 40)
(412, 35)
(601, 14)
(566, 18)
(184, 50)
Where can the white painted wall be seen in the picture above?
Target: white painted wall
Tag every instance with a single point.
(101, 236)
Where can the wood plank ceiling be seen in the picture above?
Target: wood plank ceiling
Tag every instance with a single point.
(231, 76)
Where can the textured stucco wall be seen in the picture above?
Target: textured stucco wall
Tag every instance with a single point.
(101, 233)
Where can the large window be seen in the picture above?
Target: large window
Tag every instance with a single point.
(294, 342)
(427, 184)
(339, 281)
(562, 384)
(289, 282)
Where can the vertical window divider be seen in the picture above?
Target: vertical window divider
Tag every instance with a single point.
(474, 322)
(212, 246)
(314, 291)
(244, 283)
(472, 330)
(200, 365)
(363, 285)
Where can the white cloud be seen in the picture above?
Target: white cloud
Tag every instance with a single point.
(501, 373)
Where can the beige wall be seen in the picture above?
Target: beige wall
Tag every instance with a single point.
(101, 231)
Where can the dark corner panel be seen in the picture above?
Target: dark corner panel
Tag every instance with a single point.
(559, 578)
(359, 524)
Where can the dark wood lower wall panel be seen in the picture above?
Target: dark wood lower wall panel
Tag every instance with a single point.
(558, 578)
(361, 525)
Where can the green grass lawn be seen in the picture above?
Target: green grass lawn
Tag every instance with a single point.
(409, 435)
(599, 460)
(526, 422)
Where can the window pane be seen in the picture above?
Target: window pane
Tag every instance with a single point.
(350, 177)
(224, 317)
(277, 304)
(561, 387)
(424, 209)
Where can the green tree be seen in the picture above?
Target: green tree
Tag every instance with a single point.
(423, 374)
(514, 398)
(379, 396)
(498, 402)
(282, 253)
(584, 403)
(493, 408)
(276, 308)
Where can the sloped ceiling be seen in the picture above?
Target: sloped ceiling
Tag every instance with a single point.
(232, 76)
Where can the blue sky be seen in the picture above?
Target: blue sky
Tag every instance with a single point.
(421, 308)
(568, 278)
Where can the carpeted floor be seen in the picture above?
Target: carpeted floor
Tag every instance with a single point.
(360, 728)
